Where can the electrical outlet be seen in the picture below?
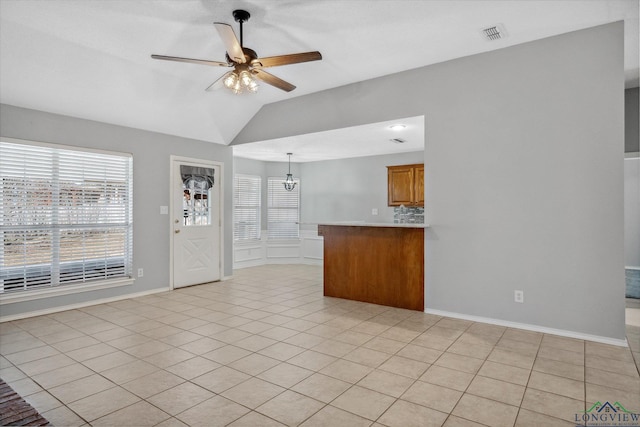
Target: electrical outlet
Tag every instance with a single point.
(164, 210)
(518, 296)
(140, 272)
(374, 211)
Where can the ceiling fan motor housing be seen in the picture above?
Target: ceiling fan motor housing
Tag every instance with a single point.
(241, 15)
(249, 55)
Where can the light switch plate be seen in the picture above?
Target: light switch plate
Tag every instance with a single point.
(164, 210)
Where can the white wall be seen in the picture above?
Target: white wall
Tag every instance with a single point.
(151, 152)
(632, 213)
(523, 175)
(305, 250)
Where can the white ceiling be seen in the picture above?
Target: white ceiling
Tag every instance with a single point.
(91, 59)
(356, 141)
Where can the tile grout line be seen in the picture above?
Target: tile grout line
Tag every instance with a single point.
(334, 311)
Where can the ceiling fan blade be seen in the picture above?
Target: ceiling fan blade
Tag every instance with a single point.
(273, 80)
(231, 44)
(295, 58)
(218, 83)
(192, 61)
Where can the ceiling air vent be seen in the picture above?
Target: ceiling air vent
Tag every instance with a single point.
(398, 140)
(494, 33)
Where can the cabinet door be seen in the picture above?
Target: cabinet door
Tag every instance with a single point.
(400, 185)
(418, 192)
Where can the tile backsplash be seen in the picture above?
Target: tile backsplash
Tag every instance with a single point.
(411, 215)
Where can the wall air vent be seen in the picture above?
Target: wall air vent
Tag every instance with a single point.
(398, 140)
(495, 32)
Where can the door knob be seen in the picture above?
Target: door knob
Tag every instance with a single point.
(176, 231)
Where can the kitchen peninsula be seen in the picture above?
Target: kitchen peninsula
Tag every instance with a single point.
(380, 263)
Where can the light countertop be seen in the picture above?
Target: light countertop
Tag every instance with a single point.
(370, 224)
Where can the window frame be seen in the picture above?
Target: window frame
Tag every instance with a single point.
(258, 208)
(77, 286)
(278, 182)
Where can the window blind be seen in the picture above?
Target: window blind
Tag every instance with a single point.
(65, 216)
(283, 212)
(246, 207)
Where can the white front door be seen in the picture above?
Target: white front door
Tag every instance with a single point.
(196, 223)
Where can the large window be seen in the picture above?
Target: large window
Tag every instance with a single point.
(65, 216)
(283, 213)
(246, 207)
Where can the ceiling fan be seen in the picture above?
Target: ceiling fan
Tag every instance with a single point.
(247, 66)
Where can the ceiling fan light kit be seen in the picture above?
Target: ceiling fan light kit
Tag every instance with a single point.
(248, 68)
(240, 82)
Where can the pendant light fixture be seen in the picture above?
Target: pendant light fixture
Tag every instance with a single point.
(289, 183)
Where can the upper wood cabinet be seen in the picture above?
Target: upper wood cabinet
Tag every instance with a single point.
(405, 185)
(418, 185)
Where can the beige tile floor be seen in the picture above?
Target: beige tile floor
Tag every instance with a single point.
(267, 349)
(632, 312)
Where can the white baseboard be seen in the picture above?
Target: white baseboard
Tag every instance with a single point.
(248, 263)
(57, 291)
(284, 260)
(278, 261)
(631, 268)
(305, 250)
(80, 305)
(528, 327)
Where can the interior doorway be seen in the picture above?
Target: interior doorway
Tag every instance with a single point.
(196, 232)
(632, 237)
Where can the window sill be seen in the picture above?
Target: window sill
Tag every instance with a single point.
(17, 297)
(247, 242)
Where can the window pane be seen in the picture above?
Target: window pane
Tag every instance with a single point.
(283, 212)
(196, 186)
(66, 215)
(246, 207)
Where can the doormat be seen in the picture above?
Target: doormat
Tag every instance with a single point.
(14, 411)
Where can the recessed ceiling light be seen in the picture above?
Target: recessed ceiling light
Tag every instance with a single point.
(397, 127)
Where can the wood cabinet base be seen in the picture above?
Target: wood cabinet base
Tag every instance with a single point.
(380, 265)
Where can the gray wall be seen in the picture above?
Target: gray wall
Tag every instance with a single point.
(347, 190)
(151, 152)
(335, 190)
(523, 174)
(631, 120)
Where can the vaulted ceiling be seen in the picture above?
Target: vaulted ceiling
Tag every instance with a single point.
(91, 59)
